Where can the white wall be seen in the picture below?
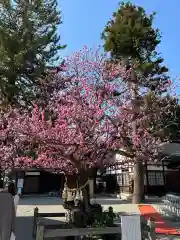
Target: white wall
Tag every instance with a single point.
(119, 158)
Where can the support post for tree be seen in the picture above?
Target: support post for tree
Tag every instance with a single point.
(138, 195)
(147, 180)
(91, 187)
(86, 197)
(1, 180)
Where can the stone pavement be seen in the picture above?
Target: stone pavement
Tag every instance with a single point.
(169, 221)
(26, 207)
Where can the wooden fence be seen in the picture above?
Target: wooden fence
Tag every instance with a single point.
(44, 233)
(38, 215)
(129, 228)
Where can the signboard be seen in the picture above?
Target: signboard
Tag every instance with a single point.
(32, 173)
(20, 183)
(19, 191)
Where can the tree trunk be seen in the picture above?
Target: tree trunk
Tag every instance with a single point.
(86, 198)
(1, 179)
(77, 181)
(138, 195)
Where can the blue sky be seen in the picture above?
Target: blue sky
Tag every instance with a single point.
(84, 20)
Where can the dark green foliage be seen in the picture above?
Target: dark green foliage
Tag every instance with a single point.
(28, 42)
(101, 220)
(130, 35)
(132, 40)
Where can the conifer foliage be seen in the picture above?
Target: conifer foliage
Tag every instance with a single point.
(28, 42)
(130, 35)
(131, 38)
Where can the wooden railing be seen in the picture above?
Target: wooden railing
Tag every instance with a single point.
(129, 229)
(38, 215)
(44, 233)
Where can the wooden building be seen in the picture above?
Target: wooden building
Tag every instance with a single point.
(158, 179)
(37, 181)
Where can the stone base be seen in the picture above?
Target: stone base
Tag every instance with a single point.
(125, 196)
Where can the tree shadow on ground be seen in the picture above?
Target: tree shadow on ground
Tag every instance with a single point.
(24, 226)
(104, 200)
(40, 201)
(109, 201)
(24, 201)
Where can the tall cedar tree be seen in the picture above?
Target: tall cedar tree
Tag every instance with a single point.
(130, 37)
(28, 42)
(130, 34)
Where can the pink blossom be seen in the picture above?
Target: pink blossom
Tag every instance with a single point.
(84, 123)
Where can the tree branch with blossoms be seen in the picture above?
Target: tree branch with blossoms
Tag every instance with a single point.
(85, 120)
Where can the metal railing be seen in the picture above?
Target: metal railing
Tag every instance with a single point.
(172, 206)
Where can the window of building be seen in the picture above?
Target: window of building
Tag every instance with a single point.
(159, 178)
(123, 179)
(155, 178)
(126, 179)
(120, 179)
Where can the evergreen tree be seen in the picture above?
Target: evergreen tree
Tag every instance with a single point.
(28, 43)
(131, 39)
(130, 35)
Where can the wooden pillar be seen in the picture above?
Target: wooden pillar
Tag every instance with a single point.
(147, 180)
(91, 188)
(40, 232)
(1, 178)
(138, 195)
(62, 183)
(164, 179)
(152, 232)
(35, 222)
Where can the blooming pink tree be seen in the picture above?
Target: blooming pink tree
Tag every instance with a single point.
(85, 121)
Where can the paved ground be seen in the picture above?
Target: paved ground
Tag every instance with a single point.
(26, 208)
(27, 205)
